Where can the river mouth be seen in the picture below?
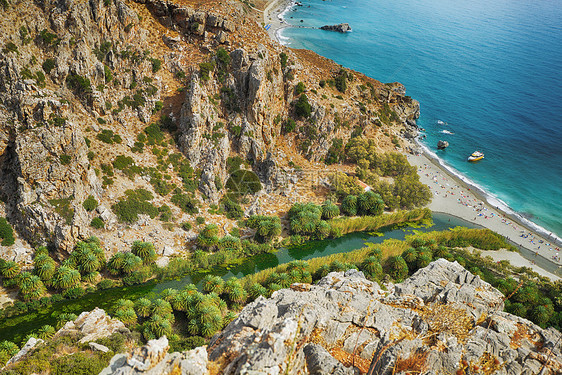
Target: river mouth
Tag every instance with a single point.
(15, 328)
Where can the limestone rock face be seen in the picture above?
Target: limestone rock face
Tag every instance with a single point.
(154, 359)
(92, 325)
(441, 318)
(29, 345)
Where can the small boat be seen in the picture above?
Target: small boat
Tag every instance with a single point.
(476, 155)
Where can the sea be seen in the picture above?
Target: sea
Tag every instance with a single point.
(487, 74)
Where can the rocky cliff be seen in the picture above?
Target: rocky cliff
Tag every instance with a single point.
(80, 81)
(442, 320)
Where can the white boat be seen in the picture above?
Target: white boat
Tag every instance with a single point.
(476, 155)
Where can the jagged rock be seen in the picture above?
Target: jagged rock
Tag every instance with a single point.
(345, 315)
(92, 325)
(29, 345)
(441, 145)
(154, 359)
(320, 362)
(340, 28)
(98, 347)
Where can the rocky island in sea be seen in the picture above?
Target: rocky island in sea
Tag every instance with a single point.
(168, 173)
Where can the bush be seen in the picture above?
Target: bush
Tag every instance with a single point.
(205, 68)
(208, 237)
(232, 209)
(90, 203)
(329, 210)
(144, 250)
(303, 107)
(299, 88)
(283, 57)
(397, 268)
(349, 205)
(80, 85)
(243, 182)
(134, 203)
(370, 204)
(156, 64)
(48, 65)
(289, 126)
(186, 202)
(107, 136)
(65, 159)
(6, 232)
(97, 223)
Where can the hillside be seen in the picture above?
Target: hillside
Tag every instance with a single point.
(100, 99)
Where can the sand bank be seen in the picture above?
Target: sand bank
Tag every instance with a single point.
(272, 17)
(455, 197)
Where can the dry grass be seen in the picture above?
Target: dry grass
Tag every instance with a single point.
(415, 363)
(348, 359)
(446, 318)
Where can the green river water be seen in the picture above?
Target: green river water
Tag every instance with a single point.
(15, 328)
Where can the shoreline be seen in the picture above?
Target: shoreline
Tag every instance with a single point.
(272, 16)
(499, 220)
(453, 196)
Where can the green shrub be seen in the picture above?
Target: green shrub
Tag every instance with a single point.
(108, 74)
(200, 220)
(289, 126)
(6, 232)
(49, 39)
(80, 85)
(303, 107)
(232, 209)
(208, 237)
(186, 202)
(134, 203)
(205, 68)
(299, 88)
(156, 64)
(107, 136)
(186, 226)
(243, 182)
(267, 227)
(283, 57)
(65, 159)
(97, 223)
(90, 203)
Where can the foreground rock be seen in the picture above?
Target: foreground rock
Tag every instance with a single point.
(154, 359)
(340, 28)
(92, 326)
(441, 320)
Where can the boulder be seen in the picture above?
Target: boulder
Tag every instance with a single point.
(340, 28)
(92, 326)
(29, 345)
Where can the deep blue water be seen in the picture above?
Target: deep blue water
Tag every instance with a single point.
(490, 70)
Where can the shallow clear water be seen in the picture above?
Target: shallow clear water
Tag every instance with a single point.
(489, 70)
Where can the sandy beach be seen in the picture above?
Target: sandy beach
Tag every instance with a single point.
(271, 17)
(454, 197)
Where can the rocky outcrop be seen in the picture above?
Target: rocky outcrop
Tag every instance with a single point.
(154, 359)
(28, 347)
(340, 28)
(441, 145)
(440, 320)
(92, 325)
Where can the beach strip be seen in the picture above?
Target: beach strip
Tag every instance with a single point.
(451, 195)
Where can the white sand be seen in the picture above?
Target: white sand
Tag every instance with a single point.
(271, 16)
(454, 197)
(515, 259)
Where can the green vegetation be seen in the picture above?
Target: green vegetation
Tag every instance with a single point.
(133, 204)
(62, 207)
(156, 64)
(80, 85)
(243, 182)
(283, 57)
(306, 220)
(145, 251)
(49, 39)
(205, 69)
(299, 88)
(267, 227)
(289, 126)
(6, 232)
(90, 203)
(107, 136)
(302, 107)
(97, 223)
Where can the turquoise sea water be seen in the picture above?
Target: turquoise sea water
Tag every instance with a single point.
(490, 70)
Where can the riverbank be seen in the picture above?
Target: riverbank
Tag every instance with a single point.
(455, 197)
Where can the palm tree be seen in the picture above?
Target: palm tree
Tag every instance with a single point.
(284, 280)
(193, 327)
(229, 317)
(168, 294)
(180, 301)
(161, 307)
(349, 205)
(329, 210)
(89, 262)
(372, 266)
(45, 270)
(90, 277)
(124, 304)
(143, 307)
(115, 264)
(66, 277)
(257, 290)
(213, 284)
(126, 315)
(9, 347)
(10, 269)
(144, 250)
(131, 263)
(46, 332)
(31, 286)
